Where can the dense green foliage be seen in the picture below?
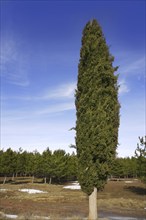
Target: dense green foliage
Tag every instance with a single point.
(124, 168)
(141, 155)
(97, 109)
(57, 166)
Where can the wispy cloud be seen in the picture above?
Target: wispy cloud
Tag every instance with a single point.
(133, 65)
(57, 108)
(14, 65)
(132, 68)
(123, 87)
(136, 66)
(57, 100)
(63, 91)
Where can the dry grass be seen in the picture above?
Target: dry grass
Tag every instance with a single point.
(59, 203)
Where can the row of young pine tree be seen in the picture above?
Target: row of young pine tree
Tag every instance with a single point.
(53, 167)
(59, 166)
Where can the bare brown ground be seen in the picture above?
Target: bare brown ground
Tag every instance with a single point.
(118, 197)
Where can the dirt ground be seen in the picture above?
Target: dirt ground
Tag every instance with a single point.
(127, 198)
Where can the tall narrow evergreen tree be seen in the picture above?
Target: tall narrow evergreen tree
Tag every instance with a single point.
(97, 110)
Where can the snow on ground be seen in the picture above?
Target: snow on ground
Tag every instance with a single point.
(32, 191)
(11, 216)
(72, 187)
(41, 217)
(3, 190)
(128, 181)
(122, 218)
(47, 218)
(75, 185)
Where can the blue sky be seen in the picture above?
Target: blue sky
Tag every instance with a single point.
(40, 47)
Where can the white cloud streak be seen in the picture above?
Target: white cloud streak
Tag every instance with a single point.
(57, 108)
(63, 91)
(14, 65)
(132, 65)
(123, 87)
(137, 66)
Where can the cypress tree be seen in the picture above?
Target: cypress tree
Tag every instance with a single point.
(97, 110)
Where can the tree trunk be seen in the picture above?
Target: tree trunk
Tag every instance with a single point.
(4, 180)
(93, 205)
(13, 177)
(33, 179)
(50, 180)
(45, 180)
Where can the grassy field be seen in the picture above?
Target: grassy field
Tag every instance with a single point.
(122, 197)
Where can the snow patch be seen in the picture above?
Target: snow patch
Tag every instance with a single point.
(11, 216)
(41, 217)
(3, 190)
(75, 185)
(121, 218)
(72, 187)
(32, 191)
(129, 181)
